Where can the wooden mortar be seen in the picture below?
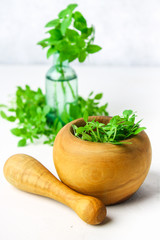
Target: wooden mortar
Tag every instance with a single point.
(109, 172)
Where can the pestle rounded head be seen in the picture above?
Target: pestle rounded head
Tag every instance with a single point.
(91, 210)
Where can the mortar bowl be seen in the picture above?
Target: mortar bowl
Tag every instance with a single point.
(109, 172)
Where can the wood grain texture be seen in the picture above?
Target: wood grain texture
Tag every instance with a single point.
(109, 172)
(27, 174)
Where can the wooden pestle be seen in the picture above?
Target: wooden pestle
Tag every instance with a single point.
(27, 174)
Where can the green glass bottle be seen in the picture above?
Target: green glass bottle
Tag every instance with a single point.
(61, 88)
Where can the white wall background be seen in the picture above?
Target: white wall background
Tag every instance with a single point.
(128, 30)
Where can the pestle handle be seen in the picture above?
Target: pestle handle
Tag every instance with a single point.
(28, 174)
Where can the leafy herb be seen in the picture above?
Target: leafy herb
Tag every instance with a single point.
(90, 106)
(70, 36)
(30, 113)
(118, 129)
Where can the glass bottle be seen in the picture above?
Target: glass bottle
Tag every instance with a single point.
(61, 88)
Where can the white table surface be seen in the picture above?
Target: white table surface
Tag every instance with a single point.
(25, 216)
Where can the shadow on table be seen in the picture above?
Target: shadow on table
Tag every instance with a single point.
(149, 189)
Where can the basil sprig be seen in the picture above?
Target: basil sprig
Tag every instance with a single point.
(70, 36)
(118, 129)
(29, 112)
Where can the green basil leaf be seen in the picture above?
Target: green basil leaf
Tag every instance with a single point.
(73, 57)
(11, 110)
(59, 126)
(3, 105)
(86, 136)
(51, 41)
(11, 118)
(53, 23)
(46, 110)
(80, 22)
(16, 132)
(43, 43)
(98, 96)
(93, 48)
(127, 113)
(74, 111)
(78, 16)
(39, 111)
(91, 93)
(64, 13)
(3, 115)
(139, 130)
(69, 52)
(79, 25)
(22, 142)
(80, 42)
(50, 51)
(65, 117)
(82, 56)
(66, 22)
(72, 6)
(86, 32)
(62, 45)
(55, 34)
(80, 130)
(72, 35)
(85, 116)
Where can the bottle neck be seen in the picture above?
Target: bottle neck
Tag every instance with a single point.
(56, 61)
